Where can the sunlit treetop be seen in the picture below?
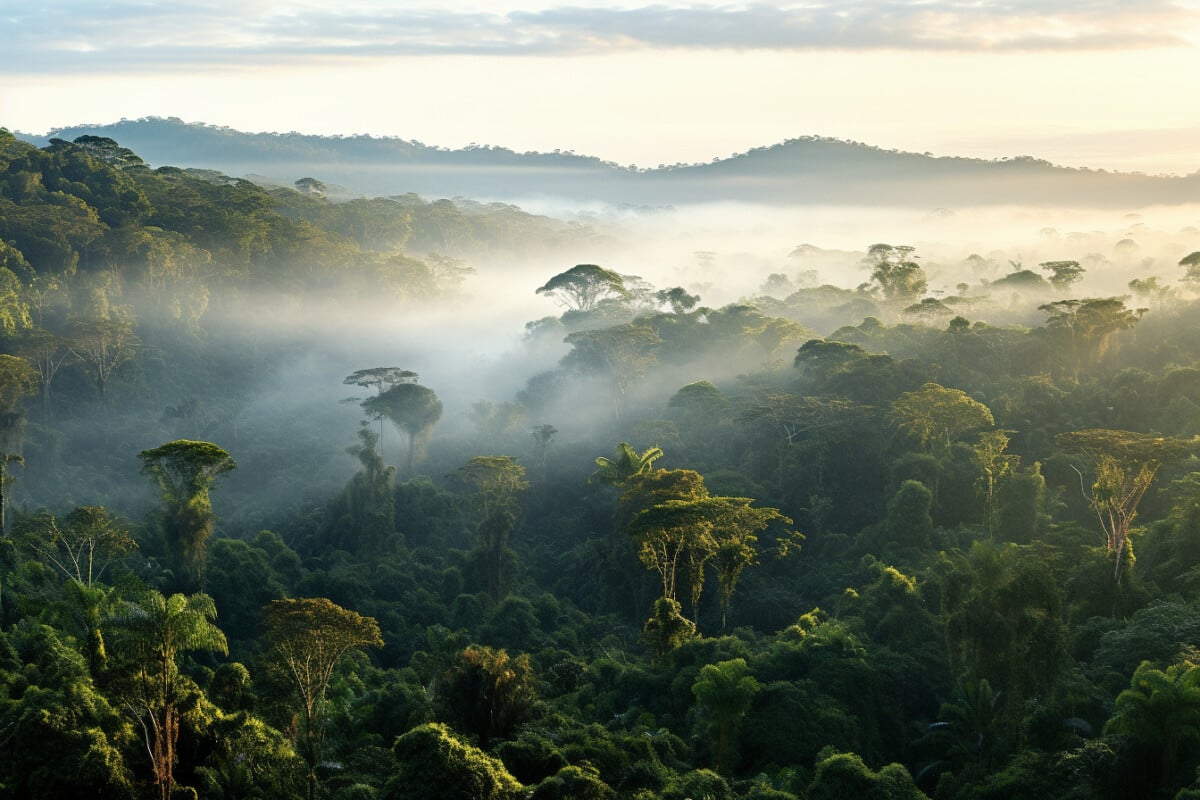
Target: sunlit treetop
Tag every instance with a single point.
(1126, 446)
(184, 467)
(583, 286)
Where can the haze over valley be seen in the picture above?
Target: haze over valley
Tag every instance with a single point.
(750, 402)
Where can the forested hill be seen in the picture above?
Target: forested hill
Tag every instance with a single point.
(808, 170)
(824, 543)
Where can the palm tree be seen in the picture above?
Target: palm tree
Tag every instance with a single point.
(152, 635)
(628, 463)
(1160, 711)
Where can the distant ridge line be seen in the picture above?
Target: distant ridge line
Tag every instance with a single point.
(803, 170)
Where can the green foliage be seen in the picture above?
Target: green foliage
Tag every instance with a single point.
(1020, 504)
(1160, 715)
(699, 783)
(54, 715)
(790, 721)
(496, 481)
(433, 762)
(909, 525)
(621, 355)
(307, 638)
(488, 692)
(152, 635)
(1004, 623)
(627, 464)
(573, 783)
(185, 472)
(415, 411)
(935, 415)
(583, 286)
(894, 269)
(1125, 465)
(951, 656)
(844, 776)
(250, 760)
(241, 580)
(667, 628)
(1063, 273)
(80, 549)
(726, 690)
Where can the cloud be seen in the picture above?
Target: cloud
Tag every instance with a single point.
(71, 35)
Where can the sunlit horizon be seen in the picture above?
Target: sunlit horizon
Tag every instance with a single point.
(1081, 84)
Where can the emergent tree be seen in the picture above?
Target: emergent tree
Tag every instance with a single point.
(307, 638)
(185, 472)
(414, 409)
(1125, 464)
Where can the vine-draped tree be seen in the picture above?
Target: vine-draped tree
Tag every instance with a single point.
(307, 638)
(185, 471)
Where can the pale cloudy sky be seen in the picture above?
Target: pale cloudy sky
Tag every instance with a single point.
(1105, 83)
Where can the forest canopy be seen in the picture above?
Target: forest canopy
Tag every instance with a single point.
(931, 535)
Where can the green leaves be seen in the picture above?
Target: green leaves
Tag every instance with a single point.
(627, 463)
(414, 409)
(935, 415)
(185, 471)
(183, 467)
(1160, 711)
(726, 689)
(583, 286)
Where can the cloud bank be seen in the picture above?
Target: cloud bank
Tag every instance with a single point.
(71, 35)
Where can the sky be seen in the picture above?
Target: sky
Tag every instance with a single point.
(1102, 83)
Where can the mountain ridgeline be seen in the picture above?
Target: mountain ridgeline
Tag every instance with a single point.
(804, 171)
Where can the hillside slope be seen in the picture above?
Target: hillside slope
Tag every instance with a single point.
(808, 170)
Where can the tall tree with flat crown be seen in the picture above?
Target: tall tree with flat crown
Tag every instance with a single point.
(185, 472)
(583, 286)
(380, 378)
(414, 409)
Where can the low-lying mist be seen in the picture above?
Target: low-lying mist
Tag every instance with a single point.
(290, 432)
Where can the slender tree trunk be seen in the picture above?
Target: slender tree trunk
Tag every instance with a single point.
(3, 494)
(310, 757)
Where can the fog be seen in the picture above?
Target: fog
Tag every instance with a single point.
(473, 345)
(291, 422)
